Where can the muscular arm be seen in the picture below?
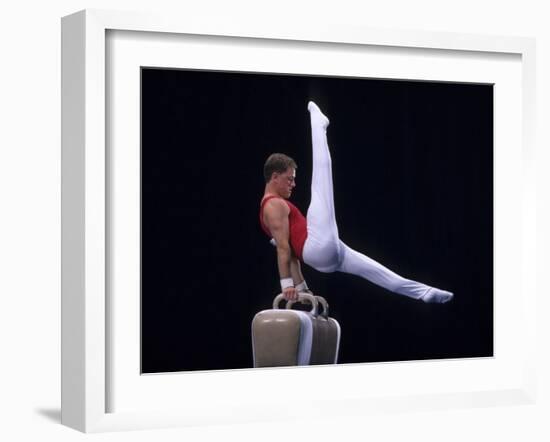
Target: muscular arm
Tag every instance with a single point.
(296, 270)
(276, 213)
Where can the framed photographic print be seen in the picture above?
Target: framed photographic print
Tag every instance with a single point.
(411, 150)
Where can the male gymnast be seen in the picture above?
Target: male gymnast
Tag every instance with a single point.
(314, 239)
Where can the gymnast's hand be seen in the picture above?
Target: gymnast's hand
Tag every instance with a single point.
(290, 294)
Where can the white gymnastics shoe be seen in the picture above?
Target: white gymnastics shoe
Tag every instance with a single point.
(434, 295)
(317, 116)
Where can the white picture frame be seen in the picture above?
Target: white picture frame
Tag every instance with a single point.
(86, 315)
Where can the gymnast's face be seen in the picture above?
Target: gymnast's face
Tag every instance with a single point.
(285, 182)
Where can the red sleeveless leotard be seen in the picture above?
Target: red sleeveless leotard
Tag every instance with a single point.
(297, 226)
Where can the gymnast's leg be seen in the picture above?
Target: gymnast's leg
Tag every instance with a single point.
(322, 246)
(323, 249)
(358, 264)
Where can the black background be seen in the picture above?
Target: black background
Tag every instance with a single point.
(413, 188)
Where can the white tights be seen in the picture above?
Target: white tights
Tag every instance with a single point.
(323, 250)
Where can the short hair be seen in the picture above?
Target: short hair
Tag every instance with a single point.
(277, 162)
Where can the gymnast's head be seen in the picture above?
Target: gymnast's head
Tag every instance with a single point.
(280, 174)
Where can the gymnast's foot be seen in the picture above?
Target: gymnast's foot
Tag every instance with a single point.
(434, 295)
(317, 116)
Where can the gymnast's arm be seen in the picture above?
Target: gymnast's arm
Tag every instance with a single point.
(276, 213)
(296, 270)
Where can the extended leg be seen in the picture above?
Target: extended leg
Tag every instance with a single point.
(322, 247)
(358, 264)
